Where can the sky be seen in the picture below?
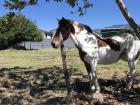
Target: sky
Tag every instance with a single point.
(103, 13)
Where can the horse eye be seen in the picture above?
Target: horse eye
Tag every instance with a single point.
(61, 29)
(67, 25)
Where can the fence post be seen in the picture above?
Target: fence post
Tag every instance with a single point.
(42, 45)
(24, 45)
(30, 45)
(66, 74)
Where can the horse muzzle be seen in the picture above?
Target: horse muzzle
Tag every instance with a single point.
(54, 45)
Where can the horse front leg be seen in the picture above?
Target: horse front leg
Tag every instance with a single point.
(91, 69)
(95, 86)
(94, 81)
(90, 64)
(88, 68)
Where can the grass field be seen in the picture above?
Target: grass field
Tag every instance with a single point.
(51, 57)
(36, 77)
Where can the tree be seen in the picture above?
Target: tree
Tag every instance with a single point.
(16, 30)
(128, 17)
(20, 4)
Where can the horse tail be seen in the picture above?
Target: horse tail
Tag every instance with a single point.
(128, 40)
(138, 45)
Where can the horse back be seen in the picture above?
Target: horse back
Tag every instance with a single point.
(113, 42)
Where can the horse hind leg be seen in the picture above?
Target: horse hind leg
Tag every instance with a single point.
(132, 71)
(132, 60)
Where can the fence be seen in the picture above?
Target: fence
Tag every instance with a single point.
(45, 44)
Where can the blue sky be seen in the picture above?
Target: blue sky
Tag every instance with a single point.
(103, 13)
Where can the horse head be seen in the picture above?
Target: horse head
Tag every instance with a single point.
(65, 28)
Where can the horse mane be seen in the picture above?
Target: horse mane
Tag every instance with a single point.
(86, 27)
(82, 26)
(89, 30)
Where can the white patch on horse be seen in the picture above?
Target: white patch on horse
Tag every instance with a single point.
(90, 39)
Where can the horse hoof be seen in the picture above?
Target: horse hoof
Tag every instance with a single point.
(129, 86)
(97, 92)
(93, 88)
(98, 96)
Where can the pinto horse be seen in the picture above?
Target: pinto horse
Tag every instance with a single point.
(94, 49)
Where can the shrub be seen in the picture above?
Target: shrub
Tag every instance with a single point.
(16, 30)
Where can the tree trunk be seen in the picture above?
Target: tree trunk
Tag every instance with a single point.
(66, 74)
(128, 17)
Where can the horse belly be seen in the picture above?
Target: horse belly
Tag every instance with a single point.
(108, 56)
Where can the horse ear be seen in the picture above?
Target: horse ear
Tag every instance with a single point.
(63, 18)
(58, 20)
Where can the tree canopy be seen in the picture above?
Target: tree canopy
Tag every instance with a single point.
(16, 30)
(81, 8)
(20, 4)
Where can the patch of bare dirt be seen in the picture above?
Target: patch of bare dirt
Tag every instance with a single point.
(26, 86)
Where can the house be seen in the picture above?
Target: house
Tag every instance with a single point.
(46, 34)
(108, 32)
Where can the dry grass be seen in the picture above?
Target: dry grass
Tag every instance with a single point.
(29, 58)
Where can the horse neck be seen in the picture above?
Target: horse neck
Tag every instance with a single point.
(79, 37)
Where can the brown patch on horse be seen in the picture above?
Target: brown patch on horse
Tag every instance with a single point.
(102, 42)
(68, 25)
(82, 54)
(71, 28)
(115, 45)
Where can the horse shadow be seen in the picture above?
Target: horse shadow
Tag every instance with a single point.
(115, 89)
(35, 84)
